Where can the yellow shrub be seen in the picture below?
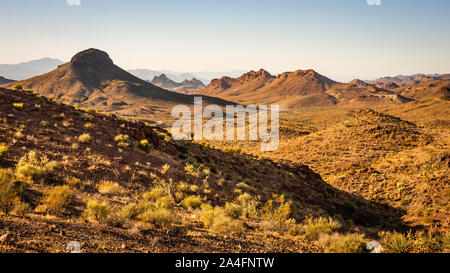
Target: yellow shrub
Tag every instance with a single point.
(9, 193)
(277, 211)
(192, 201)
(233, 210)
(160, 217)
(109, 188)
(3, 150)
(85, 138)
(97, 211)
(122, 140)
(18, 105)
(350, 243)
(145, 146)
(315, 226)
(216, 220)
(58, 199)
(394, 242)
(30, 167)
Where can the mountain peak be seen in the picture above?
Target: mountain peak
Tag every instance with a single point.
(91, 56)
(256, 74)
(357, 82)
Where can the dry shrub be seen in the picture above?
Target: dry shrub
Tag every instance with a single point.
(85, 138)
(192, 201)
(122, 140)
(216, 220)
(277, 212)
(109, 188)
(30, 167)
(10, 190)
(57, 199)
(160, 217)
(394, 242)
(145, 146)
(314, 227)
(3, 150)
(97, 211)
(350, 243)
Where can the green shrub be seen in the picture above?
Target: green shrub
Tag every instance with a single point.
(122, 140)
(145, 146)
(192, 201)
(350, 243)
(58, 199)
(394, 242)
(97, 211)
(85, 138)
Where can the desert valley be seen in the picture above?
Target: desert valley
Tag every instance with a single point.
(86, 154)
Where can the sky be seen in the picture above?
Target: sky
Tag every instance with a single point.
(342, 39)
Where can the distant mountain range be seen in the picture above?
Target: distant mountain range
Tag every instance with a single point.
(185, 87)
(4, 80)
(307, 88)
(410, 79)
(38, 67)
(205, 76)
(29, 69)
(91, 79)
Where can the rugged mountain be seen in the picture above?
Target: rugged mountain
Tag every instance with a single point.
(388, 85)
(29, 69)
(248, 82)
(301, 88)
(164, 82)
(411, 79)
(186, 87)
(358, 93)
(4, 80)
(438, 89)
(148, 75)
(91, 79)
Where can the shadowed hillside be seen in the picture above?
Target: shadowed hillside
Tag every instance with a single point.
(82, 174)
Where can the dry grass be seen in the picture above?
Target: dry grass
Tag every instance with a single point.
(58, 199)
(109, 188)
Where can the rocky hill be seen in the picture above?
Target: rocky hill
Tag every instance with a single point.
(123, 186)
(185, 87)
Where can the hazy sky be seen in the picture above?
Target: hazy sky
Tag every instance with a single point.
(338, 38)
